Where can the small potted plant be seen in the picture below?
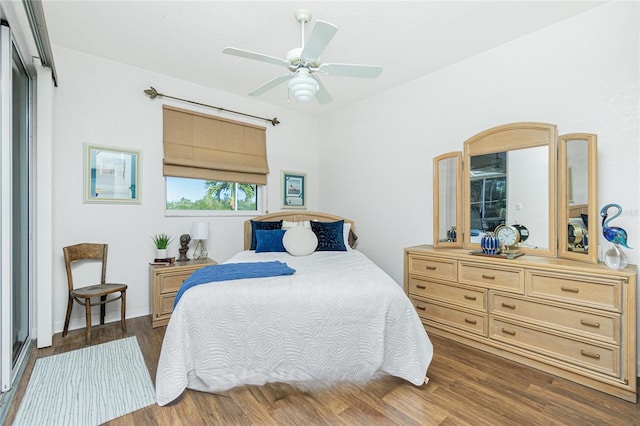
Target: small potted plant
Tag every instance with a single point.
(161, 241)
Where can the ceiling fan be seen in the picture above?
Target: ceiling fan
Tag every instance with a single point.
(304, 63)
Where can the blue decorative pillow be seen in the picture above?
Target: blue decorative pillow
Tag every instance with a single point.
(256, 225)
(330, 237)
(269, 240)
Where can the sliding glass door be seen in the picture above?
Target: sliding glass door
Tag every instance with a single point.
(15, 253)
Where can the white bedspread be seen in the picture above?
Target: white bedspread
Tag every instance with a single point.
(338, 318)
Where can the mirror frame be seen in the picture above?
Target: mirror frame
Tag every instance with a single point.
(510, 137)
(436, 199)
(592, 197)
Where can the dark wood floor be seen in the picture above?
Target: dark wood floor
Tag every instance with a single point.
(467, 387)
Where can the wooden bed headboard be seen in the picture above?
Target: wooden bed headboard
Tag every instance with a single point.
(297, 216)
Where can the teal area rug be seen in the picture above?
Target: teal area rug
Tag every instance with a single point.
(87, 386)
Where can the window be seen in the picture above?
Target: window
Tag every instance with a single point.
(201, 197)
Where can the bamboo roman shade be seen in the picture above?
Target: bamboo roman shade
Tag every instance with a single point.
(202, 146)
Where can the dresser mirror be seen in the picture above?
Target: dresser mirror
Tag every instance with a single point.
(521, 174)
(447, 200)
(577, 176)
(510, 178)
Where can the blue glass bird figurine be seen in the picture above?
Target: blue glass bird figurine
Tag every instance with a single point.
(613, 234)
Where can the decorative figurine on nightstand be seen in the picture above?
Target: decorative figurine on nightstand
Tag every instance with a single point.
(185, 239)
(614, 257)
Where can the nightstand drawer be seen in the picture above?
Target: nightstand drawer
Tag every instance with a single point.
(165, 281)
(435, 313)
(166, 303)
(475, 299)
(602, 358)
(170, 283)
(435, 268)
(502, 277)
(596, 292)
(604, 326)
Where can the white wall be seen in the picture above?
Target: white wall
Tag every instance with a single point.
(581, 74)
(102, 102)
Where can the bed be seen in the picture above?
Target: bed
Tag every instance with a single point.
(337, 318)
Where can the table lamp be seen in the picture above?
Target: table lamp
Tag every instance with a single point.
(200, 233)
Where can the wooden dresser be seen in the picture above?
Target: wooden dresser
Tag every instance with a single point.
(165, 282)
(572, 319)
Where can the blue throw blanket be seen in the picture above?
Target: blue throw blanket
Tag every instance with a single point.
(233, 271)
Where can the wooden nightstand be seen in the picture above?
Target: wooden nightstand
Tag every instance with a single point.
(165, 282)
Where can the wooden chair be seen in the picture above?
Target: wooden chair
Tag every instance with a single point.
(83, 295)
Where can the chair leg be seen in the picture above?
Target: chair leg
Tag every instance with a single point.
(102, 309)
(68, 317)
(88, 310)
(123, 308)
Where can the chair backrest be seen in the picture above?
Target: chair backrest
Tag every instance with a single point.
(85, 251)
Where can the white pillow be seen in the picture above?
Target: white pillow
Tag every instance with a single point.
(345, 235)
(300, 241)
(288, 225)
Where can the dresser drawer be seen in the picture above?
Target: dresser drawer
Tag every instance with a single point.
(471, 298)
(435, 313)
(602, 358)
(501, 278)
(170, 283)
(433, 267)
(593, 324)
(596, 292)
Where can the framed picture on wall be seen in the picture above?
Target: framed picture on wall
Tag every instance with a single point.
(294, 190)
(111, 175)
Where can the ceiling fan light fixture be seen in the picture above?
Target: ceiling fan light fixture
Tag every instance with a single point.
(303, 86)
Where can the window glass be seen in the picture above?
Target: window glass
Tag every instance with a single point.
(184, 194)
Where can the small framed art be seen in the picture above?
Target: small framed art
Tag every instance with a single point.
(112, 175)
(294, 190)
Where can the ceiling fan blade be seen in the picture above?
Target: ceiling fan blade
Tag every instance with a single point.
(255, 56)
(351, 70)
(322, 95)
(270, 84)
(320, 37)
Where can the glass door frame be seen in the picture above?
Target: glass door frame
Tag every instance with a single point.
(12, 364)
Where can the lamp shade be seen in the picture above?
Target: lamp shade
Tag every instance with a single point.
(200, 230)
(303, 86)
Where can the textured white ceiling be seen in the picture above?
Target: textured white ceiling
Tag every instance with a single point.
(184, 39)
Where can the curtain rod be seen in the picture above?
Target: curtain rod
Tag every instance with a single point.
(153, 93)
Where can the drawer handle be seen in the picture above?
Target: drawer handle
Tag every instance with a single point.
(569, 289)
(489, 277)
(421, 307)
(421, 287)
(589, 354)
(509, 332)
(431, 268)
(470, 321)
(589, 323)
(506, 305)
(470, 297)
